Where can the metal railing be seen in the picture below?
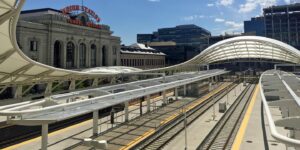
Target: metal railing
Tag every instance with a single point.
(274, 133)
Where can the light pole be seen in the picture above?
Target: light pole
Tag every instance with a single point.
(185, 127)
(227, 96)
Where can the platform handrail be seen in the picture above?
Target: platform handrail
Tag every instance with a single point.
(274, 133)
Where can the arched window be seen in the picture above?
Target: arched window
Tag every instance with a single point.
(82, 55)
(104, 56)
(57, 54)
(83, 20)
(93, 55)
(70, 55)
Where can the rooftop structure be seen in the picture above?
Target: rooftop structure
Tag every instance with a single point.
(142, 56)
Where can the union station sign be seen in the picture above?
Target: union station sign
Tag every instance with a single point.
(75, 8)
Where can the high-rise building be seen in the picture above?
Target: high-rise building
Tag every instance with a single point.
(255, 26)
(283, 23)
(175, 54)
(179, 43)
(181, 35)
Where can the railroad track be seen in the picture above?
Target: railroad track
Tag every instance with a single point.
(166, 133)
(13, 134)
(223, 134)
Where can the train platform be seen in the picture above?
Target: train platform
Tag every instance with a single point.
(62, 139)
(127, 135)
(200, 128)
(254, 131)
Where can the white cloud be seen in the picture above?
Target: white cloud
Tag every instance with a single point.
(154, 0)
(231, 26)
(210, 5)
(219, 20)
(251, 5)
(247, 7)
(234, 25)
(287, 1)
(193, 17)
(225, 2)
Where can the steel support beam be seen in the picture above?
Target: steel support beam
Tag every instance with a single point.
(95, 82)
(48, 90)
(18, 92)
(72, 85)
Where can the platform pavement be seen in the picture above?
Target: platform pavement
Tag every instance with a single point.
(198, 130)
(254, 136)
(72, 135)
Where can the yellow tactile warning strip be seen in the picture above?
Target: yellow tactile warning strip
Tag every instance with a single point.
(191, 106)
(240, 135)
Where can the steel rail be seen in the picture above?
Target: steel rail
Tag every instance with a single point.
(165, 134)
(220, 136)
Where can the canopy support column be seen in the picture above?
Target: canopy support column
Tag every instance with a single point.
(126, 111)
(95, 122)
(44, 136)
(141, 106)
(184, 90)
(148, 103)
(164, 97)
(176, 93)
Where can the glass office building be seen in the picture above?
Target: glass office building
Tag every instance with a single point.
(255, 26)
(283, 23)
(182, 35)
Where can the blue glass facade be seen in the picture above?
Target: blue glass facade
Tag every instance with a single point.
(181, 35)
(283, 23)
(255, 26)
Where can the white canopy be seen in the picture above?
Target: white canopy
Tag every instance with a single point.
(248, 47)
(17, 68)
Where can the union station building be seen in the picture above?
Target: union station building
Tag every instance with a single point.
(69, 38)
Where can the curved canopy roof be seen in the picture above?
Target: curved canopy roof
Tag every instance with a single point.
(17, 68)
(248, 47)
(242, 47)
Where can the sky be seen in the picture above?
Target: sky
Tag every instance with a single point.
(127, 18)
